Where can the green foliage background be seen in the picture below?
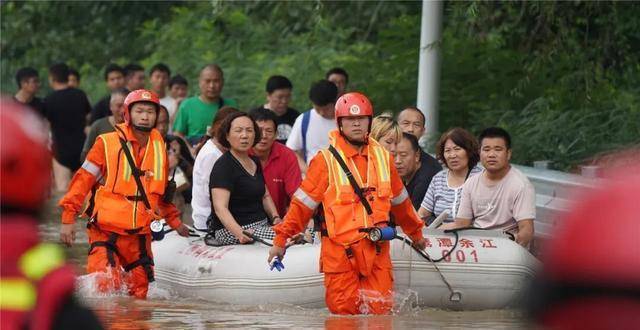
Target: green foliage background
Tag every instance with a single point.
(562, 77)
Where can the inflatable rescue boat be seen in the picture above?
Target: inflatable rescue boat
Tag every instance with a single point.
(479, 270)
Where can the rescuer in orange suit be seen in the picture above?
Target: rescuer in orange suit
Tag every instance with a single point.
(119, 228)
(36, 284)
(357, 271)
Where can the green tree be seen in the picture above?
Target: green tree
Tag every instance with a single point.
(562, 77)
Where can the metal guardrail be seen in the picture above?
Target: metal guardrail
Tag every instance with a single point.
(555, 193)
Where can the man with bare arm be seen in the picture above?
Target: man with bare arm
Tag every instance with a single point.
(500, 197)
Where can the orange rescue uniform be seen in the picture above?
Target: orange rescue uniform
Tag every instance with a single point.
(119, 232)
(358, 272)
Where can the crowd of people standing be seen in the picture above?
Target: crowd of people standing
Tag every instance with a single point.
(191, 125)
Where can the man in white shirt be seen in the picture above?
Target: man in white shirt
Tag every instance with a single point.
(310, 132)
(178, 91)
(159, 79)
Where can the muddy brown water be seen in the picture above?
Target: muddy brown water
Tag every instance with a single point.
(164, 310)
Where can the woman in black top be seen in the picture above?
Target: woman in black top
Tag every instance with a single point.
(239, 197)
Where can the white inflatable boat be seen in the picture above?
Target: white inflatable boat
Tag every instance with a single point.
(486, 270)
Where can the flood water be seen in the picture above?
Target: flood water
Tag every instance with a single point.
(164, 310)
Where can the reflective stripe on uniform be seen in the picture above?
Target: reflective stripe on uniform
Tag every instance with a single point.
(17, 294)
(382, 162)
(305, 199)
(40, 260)
(400, 198)
(106, 152)
(126, 174)
(158, 167)
(343, 180)
(91, 168)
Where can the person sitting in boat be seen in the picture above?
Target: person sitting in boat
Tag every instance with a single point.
(457, 149)
(279, 163)
(500, 197)
(240, 199)
(387, 132)
(206, 157)
(416, 174)
(180, 162)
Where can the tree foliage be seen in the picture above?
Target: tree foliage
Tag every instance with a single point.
(561, 76)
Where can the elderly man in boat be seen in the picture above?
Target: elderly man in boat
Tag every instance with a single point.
(358, 186)
(500, 197)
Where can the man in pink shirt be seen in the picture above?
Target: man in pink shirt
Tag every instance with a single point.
(500, 197)
(279, 164)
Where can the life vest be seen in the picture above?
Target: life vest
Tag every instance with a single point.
(344, 213)
(118, 203)
(35, 280)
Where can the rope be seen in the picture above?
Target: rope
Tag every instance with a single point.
(454, 295)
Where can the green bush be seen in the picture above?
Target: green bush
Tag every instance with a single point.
(562, 77)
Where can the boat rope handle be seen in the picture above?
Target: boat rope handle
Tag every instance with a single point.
(256, 238)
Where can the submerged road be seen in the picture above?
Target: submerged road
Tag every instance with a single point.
(163, 310)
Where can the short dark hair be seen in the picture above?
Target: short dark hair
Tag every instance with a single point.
(278, 82)
(178, 80)
(413, 140)
(337, 71)
(160, 67)
(225, 128)
(112, 67)
(220, 117)
(496, 132)
(59, 72)
(25, 73)
(74, 72)
(462, 138)
(130, 68)
(413, 108)
(163, 109)
(261, 114)
(216, 123)
(323, 92)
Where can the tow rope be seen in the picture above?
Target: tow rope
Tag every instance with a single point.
(454, 295)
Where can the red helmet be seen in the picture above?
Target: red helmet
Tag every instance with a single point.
(139, 95)
(592, 265)
(353, 105)
(25, 178)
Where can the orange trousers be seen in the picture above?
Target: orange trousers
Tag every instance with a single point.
(113, 254)
(359, 282)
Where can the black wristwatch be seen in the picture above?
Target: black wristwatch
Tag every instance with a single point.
(275, 217)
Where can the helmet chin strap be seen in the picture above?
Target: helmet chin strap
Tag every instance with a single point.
(357, 143)
(142, 128)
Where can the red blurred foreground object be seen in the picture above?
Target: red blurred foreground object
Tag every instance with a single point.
(591, 276)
